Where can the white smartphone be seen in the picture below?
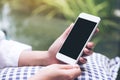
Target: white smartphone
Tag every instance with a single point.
(83, 29)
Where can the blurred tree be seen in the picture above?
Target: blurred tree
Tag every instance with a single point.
(69, 10)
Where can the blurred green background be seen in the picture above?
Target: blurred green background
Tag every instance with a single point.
(40, 22)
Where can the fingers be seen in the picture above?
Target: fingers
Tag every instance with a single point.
(89, 49)
(74, 73)
(90, 45)
(97, 30)
(69, 72)
(87, 52)
(66, 66)
(72, 70)
(82, 60)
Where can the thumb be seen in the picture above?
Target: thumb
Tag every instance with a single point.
(74, 72)
(67, 31)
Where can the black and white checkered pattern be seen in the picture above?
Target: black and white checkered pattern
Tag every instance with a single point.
(20, 73)
(98, 67)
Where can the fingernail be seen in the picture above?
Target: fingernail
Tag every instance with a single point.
(84, 60)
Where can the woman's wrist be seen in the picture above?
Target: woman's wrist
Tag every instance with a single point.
(44, 59)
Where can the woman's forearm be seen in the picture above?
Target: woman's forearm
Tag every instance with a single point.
(33, 58)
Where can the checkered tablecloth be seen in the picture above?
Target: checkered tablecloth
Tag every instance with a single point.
(98, 67)
(20, 73)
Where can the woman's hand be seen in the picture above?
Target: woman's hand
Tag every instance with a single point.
(54, 48)
(36, 58)
(57, 72)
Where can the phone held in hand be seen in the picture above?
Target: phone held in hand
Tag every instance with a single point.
(82, 31)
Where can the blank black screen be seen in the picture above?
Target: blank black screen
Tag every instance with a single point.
(77, 38)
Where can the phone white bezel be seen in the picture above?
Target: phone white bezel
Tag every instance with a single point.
(69, 60)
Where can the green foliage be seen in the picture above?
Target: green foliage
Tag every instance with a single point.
(22, 5)
(38, 31)
(70, 9)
